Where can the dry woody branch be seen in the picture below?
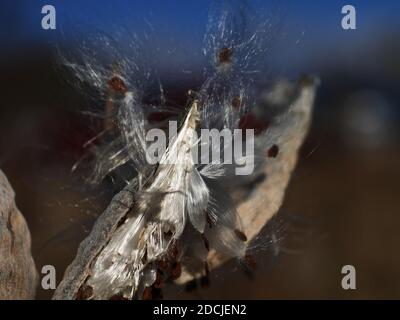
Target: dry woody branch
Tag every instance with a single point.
(18, 276)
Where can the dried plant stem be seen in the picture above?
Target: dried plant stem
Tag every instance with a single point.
(18, 276)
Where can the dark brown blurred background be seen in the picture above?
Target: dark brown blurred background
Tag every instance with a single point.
(341, 207)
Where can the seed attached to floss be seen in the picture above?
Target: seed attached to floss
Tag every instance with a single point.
(118, 85)
(118, 297)
(147, 294)
(273, 151)
(84, 292)
(240, 235)
(225, 55)
(250, 261)
(236, 102)
(162, 265)
(176, 271)
(174, 251)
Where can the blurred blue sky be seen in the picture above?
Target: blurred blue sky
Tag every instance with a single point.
(310, 27)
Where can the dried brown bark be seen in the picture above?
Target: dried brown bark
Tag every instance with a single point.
(18, 276)
(255, 210)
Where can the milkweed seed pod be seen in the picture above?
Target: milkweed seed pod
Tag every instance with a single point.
(183, 214)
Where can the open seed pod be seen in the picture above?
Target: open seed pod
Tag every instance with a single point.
(179, 220)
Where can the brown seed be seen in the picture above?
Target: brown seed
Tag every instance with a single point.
(84, 292)
(225, 55)
(174, 251)
(118, 297)
(176, 271)
(162, 265)
(147, 294)
(273, 151)
(109, 123)
(236, 102)
(240, 235)
(118, 85)
(250, 261)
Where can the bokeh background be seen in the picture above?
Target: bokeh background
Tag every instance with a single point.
(342, 205)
